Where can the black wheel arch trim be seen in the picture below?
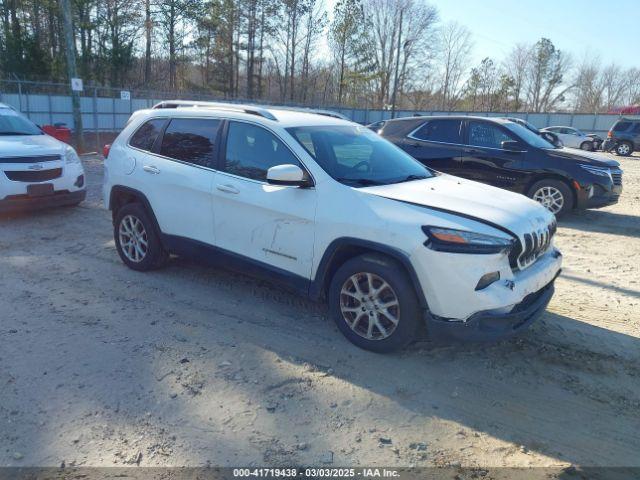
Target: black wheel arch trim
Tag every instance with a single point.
(121, 189)
(318, 284)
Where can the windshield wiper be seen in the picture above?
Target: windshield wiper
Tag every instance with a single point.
(412, 177)
(362, 182)
(17, 133)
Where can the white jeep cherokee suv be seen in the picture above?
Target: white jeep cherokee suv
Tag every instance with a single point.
(334, 211)
(36, 170)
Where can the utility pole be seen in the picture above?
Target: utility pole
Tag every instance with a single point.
(395, 80)
(70, 50)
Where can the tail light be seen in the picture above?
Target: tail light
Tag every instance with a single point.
(609, 134)
(105, 150)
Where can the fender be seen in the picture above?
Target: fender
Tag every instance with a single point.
(132, 192)
(317, 286)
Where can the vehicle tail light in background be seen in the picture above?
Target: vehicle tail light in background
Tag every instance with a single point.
(105, 150)
(609, 134)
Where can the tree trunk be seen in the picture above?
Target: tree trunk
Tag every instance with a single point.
(147, 50)
(260, 92)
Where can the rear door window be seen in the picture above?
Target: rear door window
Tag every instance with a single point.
(444, 131)
(484, 134)
(146, 135)
(621, 126)
(191, 140)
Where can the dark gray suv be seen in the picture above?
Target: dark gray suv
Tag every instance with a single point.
(624, 137)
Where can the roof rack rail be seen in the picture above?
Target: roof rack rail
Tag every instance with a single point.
(250, 109)
(315, 111)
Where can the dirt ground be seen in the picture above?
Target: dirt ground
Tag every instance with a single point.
(101, 365)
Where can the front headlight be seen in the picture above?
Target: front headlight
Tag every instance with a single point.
(602, 171)
(460, 241)
(71, 157)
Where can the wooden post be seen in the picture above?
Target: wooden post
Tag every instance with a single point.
(70, 50)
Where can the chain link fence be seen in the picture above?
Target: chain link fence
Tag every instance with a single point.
(106, 110)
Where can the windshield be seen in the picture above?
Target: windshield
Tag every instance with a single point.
(12, 123)
(356, 156)
(528, 136)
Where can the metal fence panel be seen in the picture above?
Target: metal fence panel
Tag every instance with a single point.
(60, 104)
(12, 100)
(103, 110)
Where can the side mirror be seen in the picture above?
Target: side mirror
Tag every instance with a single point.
(290, 175)
(512, 146)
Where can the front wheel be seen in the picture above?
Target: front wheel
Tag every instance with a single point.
(586, 146)
(554, 195)
(374, 303)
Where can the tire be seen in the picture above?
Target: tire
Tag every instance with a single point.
(624, 149)
(587, 146)
(540, 191)
(373, 269)
(133, 216)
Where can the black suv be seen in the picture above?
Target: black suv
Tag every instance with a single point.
(507, 155)
(624, 137)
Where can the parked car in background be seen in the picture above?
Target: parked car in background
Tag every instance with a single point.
(548, 136)
(624, 137)
(597, 140)
(334, 211)
(375, 126)
(507, 155)
(572, 137)
(36, 170)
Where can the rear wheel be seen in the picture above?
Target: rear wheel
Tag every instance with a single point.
(624, 149)
(554, 195)
(374, 303)
(136, 239)
(587, 146)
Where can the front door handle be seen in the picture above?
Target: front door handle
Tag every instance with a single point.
(151, 169)
(228, 189)
(471, 150)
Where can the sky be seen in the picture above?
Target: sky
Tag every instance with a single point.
(609, 29)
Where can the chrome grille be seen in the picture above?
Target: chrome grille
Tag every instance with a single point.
(536, 243)
(616, 176)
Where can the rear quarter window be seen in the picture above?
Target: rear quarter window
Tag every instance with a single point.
(146, 135)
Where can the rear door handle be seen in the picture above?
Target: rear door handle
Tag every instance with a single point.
(151, 169)
(471, 150)
(228, 189)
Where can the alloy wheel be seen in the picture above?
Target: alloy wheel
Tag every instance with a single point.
(369, 306)
(550, 197)
(623, 149)
(133, 238)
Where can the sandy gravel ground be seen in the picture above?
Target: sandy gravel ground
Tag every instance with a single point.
(100, 365)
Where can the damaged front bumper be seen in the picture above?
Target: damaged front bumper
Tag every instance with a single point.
(493, 325)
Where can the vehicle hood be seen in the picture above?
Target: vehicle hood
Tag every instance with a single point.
(511, 211)
(591, 158)
(30, 145)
